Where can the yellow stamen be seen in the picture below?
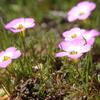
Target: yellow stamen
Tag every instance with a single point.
(21, 27)
(73, 52)
(81, 13)
(6, 58)
(74, 36)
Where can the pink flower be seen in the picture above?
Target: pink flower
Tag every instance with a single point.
(8, 55)
(73, 49)
(74, 33)
(90, 35)
(81, 11)
(77, 33)
(20, 24)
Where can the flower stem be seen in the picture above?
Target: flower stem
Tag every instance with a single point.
(22, 38)
(88, 70)
(4, 88)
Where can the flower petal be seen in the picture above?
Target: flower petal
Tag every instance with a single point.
(14, 23)
(4, 64)
(61, 54)
(29, 22)
(16, 54)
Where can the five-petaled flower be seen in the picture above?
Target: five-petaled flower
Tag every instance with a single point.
(81, 11)
(77, 42)
(74, 33)
(8, 55)
(77, 33)
(73, 49)
(20, 24)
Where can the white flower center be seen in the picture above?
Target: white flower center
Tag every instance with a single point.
(81, 13)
